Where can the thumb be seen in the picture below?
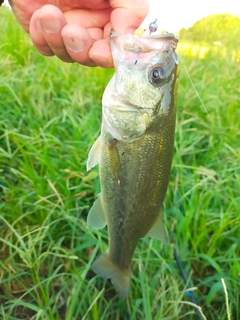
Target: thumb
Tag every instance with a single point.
(127, 15)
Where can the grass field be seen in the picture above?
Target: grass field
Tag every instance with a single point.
(50, 115)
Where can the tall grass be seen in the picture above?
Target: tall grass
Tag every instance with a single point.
(50, 115)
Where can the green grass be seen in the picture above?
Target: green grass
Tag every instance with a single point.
(50, 115)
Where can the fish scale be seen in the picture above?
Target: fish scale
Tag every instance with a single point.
(134, 150)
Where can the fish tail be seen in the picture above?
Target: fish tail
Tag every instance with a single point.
(120, 278)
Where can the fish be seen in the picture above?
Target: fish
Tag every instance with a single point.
(135, 149)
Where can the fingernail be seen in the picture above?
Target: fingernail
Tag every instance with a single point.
(101, 61)
(73, 43)
(51, 25)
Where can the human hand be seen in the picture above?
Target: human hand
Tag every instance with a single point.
(78, 30)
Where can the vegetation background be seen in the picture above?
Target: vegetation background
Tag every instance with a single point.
(50, 115)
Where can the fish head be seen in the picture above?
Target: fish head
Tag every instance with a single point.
(143, 86)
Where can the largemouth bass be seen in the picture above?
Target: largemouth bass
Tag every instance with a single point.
(134, 150)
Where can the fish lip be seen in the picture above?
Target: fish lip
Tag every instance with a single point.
(122, 104)
(164, 36)
(129, 104)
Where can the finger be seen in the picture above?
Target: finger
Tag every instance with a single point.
(45, 30)
(100, 53)
(93, 21)
(51, 34)
(36, 35)
(77, 41)
(23, 11)
(128, 15)
(89, 18)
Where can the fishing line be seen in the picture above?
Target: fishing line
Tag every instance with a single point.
(194, 88)
(198, 96)
(184, 277)
(175, 254)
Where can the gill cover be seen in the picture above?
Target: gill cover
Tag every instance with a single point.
(145, 71)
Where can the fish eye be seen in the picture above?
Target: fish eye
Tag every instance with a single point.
(157, 75)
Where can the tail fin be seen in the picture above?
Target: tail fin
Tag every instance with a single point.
(104, 267)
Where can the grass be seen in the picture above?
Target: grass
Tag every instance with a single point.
(50, 116)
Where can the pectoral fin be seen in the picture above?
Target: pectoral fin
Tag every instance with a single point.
(158, 231)
(94, 153)
(96, 218)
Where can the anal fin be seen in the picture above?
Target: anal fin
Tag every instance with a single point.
(158, 231)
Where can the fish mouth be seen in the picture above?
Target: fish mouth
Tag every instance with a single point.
(126, 106)
(122, 105)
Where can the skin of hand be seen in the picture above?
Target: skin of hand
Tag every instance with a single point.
(78, 30)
